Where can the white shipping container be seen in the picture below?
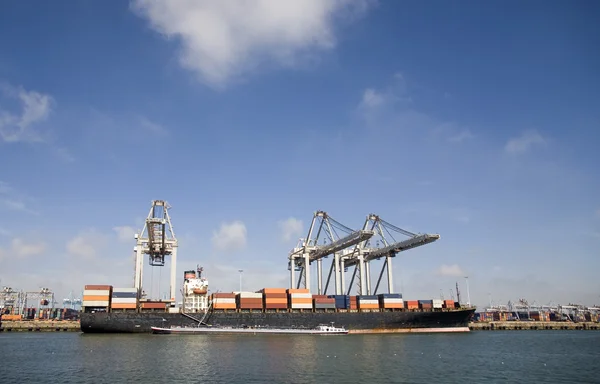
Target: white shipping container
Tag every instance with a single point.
(251, 295)
(437, 303)
(393, 301)
(128, 290)
(96, 292)
(301, 306)
(301, 295)
(369, 301)
(120, 300)
(221, 300)
(95, 303)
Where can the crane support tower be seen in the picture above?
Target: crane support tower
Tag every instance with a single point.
(386, 247)
(323, 227)
(157, 240)
(352, 249)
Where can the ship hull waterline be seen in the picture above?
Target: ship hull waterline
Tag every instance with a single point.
(354, 322)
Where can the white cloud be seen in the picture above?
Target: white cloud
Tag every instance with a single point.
(152, 126)
(450, 270)
(125, 233)
(222, 40)
(371, 98)
(22, 249)
(523, 143)
(230, 237)
(35, 107)
(290, 228)
(87, 244)
(461, 136)
(13, 200)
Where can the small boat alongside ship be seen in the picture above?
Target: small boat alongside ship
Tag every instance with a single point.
(207, 329)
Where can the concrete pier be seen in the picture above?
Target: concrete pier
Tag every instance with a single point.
(531, 325)
(40, 326)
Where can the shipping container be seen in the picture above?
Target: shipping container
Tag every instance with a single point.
(438, 303)
(250, 295)
(124, 295)
(119, 300)
(98, 287)
(293, 290)
(96, 292)
(411, 304)
(95, 303)
(273, 290)
(124, 306)
(154, 305)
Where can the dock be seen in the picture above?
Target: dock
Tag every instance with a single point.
(532, 325)
(40, 326)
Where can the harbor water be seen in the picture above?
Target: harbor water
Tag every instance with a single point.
(475, 357)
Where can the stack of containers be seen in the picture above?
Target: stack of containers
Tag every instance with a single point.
(223, 300)
(249, 300)
(123, 299)
(96, 296)
(438, 304)
(300, 298)
(274, 298)
(323, 302)
(341, 301)
(390, 301)
(426, 304)
(353, 302)
(449, 304)
(411, 304)
(368, 302)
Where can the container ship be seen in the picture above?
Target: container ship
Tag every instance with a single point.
(108, 309)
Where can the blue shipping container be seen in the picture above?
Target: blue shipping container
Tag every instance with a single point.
(390, 295)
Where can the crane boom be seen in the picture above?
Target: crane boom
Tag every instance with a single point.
(343, 243)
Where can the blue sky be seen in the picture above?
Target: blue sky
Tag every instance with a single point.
(477, 122)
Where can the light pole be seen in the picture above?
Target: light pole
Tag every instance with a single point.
(240, 271)
(468, 293)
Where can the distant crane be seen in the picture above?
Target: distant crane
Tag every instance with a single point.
(157, 240)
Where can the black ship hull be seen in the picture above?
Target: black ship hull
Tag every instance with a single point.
(355, 322)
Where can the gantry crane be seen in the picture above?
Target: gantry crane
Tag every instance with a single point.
(43, 298)
(309, 250)
(363, 254)
(157, 240)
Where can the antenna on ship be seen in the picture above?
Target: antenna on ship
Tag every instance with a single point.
(457, 294)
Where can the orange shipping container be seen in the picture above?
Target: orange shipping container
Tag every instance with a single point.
(301, 301)
(98, 287)
(273, 290)
(154, 305)
(123, 306)
(223, 295)
(96, 298)
(276, 301)
(302, 290)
